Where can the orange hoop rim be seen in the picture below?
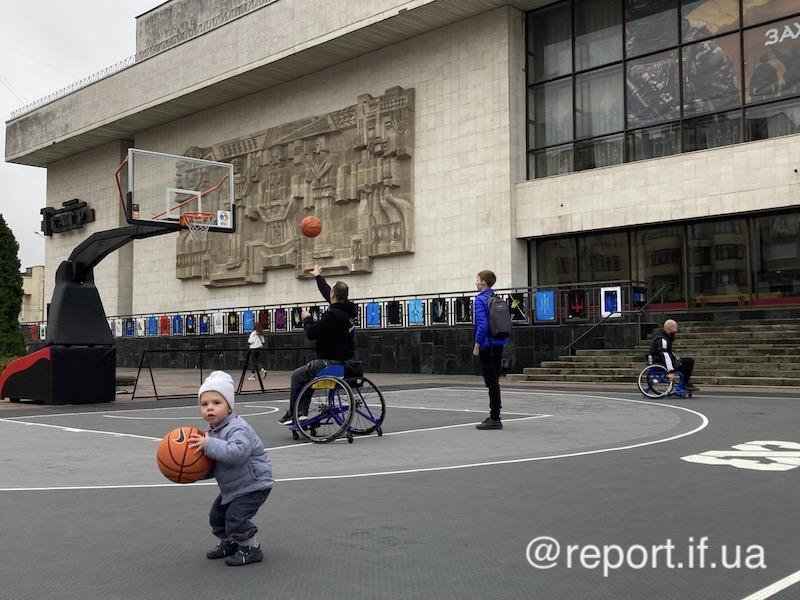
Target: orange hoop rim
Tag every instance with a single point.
(192, 217)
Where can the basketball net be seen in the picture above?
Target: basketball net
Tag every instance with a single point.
(198, 224)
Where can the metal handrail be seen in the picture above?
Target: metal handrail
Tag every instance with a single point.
(639, 312)
(656, 295)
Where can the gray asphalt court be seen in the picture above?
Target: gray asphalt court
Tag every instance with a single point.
(582, 495)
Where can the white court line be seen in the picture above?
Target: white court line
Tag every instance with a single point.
(703, 424)
(404, 431)
(126, 410)
(272, 409)
(464, 410)
(79, 430)
(774, 588)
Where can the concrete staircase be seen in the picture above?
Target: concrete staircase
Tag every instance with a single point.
(754, 353)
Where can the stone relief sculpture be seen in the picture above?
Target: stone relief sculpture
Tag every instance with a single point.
(352, 168)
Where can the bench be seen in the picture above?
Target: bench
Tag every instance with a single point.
(703, 299)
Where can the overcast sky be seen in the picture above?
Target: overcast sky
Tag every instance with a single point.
(44, 46)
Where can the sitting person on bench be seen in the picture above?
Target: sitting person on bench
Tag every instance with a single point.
(661, 354)
(333, 337)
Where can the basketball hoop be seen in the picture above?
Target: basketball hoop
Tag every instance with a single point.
(198, 224)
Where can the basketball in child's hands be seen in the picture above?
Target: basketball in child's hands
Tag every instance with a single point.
(177, 461)
(311, 226)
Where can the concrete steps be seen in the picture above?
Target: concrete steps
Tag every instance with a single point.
(754, 353)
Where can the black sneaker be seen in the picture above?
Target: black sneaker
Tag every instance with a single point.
(286, 419)
(489, 423)
(225, 548)
(690, 387)
(245, 555)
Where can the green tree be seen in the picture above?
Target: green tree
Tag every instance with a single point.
(11, 342)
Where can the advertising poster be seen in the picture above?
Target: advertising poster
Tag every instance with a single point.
(163, 325)
(577, 305)
(611, 302)
(463, 310)
(280, 319)
(219, 323)
(205, 324)
(263, 318)
(233, 322)
(191, 325)
(373, 314)
(545, 306)
(152, 326)
(394, 315)
(141, 330)
(248, 321)
(416, 312)
(177, 325)
(439, 310)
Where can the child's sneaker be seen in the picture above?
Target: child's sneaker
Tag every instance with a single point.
(223, 549)
(245, 555)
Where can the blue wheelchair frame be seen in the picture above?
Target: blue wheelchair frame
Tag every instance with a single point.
(338, 410)
(657, 373)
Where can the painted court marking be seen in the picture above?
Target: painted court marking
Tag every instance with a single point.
(774, 588)
(703, 424)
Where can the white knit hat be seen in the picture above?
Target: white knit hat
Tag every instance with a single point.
(219, 381)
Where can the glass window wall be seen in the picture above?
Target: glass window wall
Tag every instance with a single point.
(726, 261)
(772, 60)
(711, 76)
(556, 261)
(657, 259)
(598, 33)
(650, 25)
(653, 92)
(598, 102)
(653, 142)
(775, 248)
(604, 257)
(550, 42)
(641, 68)
(701, 19)
(773, 120)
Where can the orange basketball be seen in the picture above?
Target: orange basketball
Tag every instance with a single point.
(311, 226)
(177, 461)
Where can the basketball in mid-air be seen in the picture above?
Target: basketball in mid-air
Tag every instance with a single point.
(311, 226)
(177, 461)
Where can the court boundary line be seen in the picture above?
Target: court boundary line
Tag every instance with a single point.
(704, 422)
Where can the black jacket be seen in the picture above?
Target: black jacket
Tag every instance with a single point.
(661, 350)
(333, 333)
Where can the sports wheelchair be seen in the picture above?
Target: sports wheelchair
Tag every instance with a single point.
(341, 401)
(654, 382)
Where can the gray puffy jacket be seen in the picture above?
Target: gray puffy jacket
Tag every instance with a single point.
(241, 465)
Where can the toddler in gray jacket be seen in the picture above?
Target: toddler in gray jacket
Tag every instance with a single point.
(242, 470)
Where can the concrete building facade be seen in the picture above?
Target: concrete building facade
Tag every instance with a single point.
(497, 181)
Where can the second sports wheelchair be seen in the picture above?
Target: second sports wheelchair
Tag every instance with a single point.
(654, 382)
(341, 401)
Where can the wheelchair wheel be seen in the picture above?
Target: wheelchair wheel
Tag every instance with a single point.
(330, 409)
(370, 407)
(654, 381)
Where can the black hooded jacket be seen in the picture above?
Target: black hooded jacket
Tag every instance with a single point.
(333, 333)
(661, 350)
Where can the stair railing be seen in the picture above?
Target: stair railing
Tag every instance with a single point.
(638, 312)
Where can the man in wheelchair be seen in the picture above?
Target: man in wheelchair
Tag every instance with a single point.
(333, 337)
(661, 354)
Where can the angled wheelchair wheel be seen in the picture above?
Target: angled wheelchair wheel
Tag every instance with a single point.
(324, 409)
(654, 381)
(370, 407)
